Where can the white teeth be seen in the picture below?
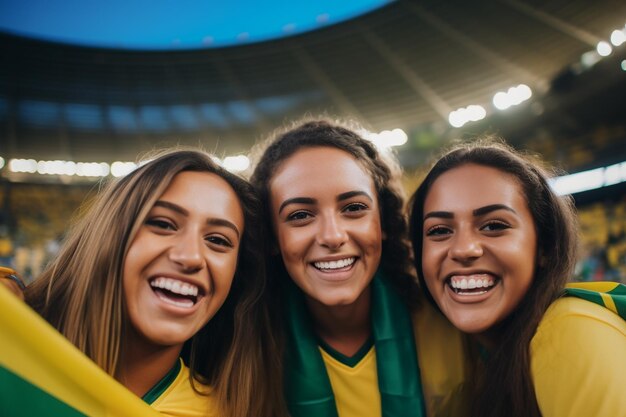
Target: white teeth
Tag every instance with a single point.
(471, 282)
(175, 286)
(342, 263)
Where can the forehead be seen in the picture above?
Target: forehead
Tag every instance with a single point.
(472, 186)
(206, 194)
(320, 170)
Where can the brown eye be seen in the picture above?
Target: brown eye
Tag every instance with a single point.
(161, 224)
(495, 226)
(299, 215)
(219, 240)
(438, 231)
(355, 207)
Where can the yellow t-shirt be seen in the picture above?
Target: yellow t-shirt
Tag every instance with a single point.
(355, 388)
(444, 361)
(578, 361)
(178, 399)
(444, 370)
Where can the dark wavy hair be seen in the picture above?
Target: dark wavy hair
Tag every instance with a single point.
(385, 172)
(505, 386)
(81, 294)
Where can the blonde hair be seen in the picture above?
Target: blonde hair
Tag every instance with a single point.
(80, 293)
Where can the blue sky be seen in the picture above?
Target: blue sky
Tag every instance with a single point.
(172, 24)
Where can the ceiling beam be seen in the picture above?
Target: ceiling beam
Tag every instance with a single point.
(315, 71)
(417, 84)
(555, 23)
(508, 67)
(225, 70)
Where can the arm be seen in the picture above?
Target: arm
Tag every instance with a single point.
(577, 361)
(12, 281)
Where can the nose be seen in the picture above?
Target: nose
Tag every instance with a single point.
(331, 233)
(466, 246)
(186, 253)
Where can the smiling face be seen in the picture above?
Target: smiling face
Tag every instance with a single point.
(180, 266)
(479, 246)
(327, 221)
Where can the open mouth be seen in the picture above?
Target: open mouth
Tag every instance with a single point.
(176, 292)
(335, 266)
(475, 284)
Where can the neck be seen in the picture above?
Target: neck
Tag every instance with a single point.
(143, 364)
(345, 328)
(490, 338)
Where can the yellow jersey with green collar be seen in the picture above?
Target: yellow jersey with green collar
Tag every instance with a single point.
(354, 381)
(174, 396)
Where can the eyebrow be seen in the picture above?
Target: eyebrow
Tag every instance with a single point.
(350, 194)
(296, 200)
(171, 206)
(210, 222)
(439, 214)
(477, 212)
(306, 200)
(492, 207)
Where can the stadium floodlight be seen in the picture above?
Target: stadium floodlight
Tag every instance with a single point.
(23, 165)
(618, 37)
(386, 139)
(119, 168)
(512, 97)
(589, 180)
(471, 113)
(236, 163)
(589, 59)
(604, 48)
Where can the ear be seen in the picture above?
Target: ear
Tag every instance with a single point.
(384, 235)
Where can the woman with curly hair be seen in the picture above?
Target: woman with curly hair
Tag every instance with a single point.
(359, 340)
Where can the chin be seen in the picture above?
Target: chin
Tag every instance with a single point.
(471, 325)
(336, 300)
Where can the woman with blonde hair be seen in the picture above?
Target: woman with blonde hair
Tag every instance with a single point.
(161, 284)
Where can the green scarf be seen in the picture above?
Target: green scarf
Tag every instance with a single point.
(307, 388)
(611, 295)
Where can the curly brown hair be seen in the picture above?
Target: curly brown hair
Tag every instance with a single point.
(384, 170)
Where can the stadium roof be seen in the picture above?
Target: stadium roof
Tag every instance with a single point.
(406, 65)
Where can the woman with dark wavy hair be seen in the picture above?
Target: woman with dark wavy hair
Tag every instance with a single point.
(494, 245)
(359, 340)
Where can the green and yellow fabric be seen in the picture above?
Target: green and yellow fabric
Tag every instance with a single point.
(573, 353)
(309, 392)
(611, 295)
(42, 374)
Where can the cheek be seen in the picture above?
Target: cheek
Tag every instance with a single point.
(223, 268)
(372, 234)
(292, 243)
(430, 261)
